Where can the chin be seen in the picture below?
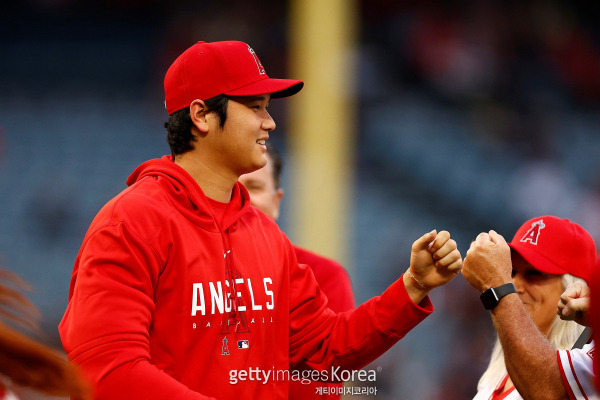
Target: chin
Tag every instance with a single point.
(259, 164)
(263, 159)
(250, 169)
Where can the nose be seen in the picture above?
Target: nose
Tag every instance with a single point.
(268, 123)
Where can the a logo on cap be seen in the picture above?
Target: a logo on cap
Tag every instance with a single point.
(533, 233)
(261, 69)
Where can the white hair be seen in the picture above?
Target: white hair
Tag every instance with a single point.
(562, 334)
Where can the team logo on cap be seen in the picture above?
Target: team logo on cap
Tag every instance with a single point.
(533, 233)
(261, 69)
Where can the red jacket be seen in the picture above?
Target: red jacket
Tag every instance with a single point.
(335, 284)
(165, 303)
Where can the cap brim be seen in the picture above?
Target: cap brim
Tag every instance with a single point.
(277, 88)
(537, 260)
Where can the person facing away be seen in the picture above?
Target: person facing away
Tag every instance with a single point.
(264, 187)
(182, 290)
(525, 279)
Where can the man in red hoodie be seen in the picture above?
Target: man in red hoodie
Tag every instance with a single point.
(181, 290)
(264, 187)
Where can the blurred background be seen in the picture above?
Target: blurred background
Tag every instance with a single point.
(469, 116)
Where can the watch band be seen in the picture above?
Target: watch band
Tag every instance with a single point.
(491, 297)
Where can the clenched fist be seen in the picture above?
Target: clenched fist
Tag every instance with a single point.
(434, 261)
(488, 262)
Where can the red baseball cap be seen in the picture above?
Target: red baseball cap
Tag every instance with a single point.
(206, 70)
(556, 246)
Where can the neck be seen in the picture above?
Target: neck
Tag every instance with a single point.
(215, 183)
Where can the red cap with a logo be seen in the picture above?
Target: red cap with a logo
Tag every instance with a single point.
(556, 246)
(206, 70)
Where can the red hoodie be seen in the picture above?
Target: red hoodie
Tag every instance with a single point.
(335, 283)
(166, 303)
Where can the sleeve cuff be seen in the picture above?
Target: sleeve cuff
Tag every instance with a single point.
(397, 312)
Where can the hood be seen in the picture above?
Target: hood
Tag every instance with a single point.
(187, 197)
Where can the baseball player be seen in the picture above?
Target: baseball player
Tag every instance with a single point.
(182, 290)
(521, 284)
(265, 191)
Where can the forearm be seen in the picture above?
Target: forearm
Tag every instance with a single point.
(353, 339)
(137, 379)
(530, 358)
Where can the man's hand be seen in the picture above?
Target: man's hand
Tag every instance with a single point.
(574, 303)
(488, 263)
(434, 261)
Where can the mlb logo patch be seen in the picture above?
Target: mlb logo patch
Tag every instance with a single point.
(243, 344)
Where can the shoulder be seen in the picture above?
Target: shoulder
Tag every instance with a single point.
(141, 198)
(143, 207)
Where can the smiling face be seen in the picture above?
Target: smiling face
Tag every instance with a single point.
(539, 292)
(239, 147)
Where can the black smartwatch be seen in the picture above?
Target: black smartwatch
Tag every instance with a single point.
(491, 297)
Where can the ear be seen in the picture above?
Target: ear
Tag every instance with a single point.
(198, 115)
(277, 202)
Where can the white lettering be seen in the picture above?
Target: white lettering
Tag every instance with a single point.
(198, 293)
(372, 376)
(266, 375)
(255, 307)
(345, 375)
(216, 297)
(334, 374)
(254, 374)
(228, 301)
(269, 293)
(222, 297)
(240, 281)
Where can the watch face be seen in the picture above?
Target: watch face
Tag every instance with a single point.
(491, 297)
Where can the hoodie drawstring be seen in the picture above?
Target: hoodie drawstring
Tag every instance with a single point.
(232, 317)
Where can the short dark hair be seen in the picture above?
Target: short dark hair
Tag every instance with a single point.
(179, 126)
(276, 164)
